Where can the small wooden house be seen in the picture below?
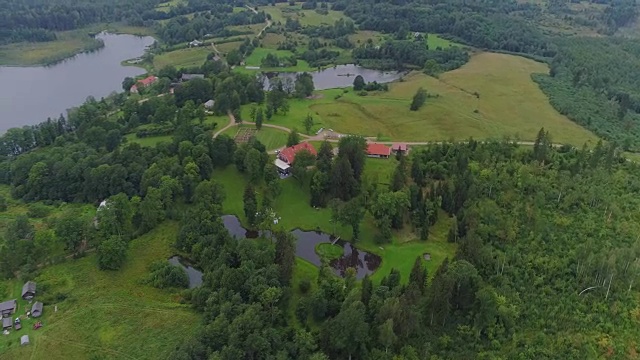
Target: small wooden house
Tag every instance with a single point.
(7, 308)
(29, 290)
(36, 309)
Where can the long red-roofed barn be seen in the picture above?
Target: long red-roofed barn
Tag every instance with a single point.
(378, 150)
(288, 155)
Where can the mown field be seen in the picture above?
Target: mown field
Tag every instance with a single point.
(187, 57)
(282, 11)
(271, 138)
(292, 206)
(106, 315)
(492, 96)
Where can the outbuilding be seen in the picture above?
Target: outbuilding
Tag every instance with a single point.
(283, 168)
(29, 290)
(24, 340)
(187, 77)
(36, 309)
(7, 323)
(400, 148)
(209, 104)
(8, 307)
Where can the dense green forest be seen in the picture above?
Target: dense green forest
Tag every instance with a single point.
(594, 81)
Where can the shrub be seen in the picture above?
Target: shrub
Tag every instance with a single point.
(38, 211)
(164, 275)
(304, 286)
(3, 203)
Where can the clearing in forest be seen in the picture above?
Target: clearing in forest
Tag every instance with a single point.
(100, 312)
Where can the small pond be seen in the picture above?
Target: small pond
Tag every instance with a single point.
(195, 275)
(306, 241)
(339, 76)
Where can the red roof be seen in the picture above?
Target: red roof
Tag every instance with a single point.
(399, 147)
(289, 154)
(148, 80)
(378, 149)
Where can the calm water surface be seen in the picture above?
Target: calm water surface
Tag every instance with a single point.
(339, 76)
(195, 275)
(363, 262)
(28, 95)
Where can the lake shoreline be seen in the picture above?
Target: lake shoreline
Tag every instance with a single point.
(86, 36)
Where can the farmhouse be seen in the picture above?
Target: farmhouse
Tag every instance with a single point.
(8, 307)
(29, 290)
(288, 155)
(195, 43)
(143, 83)
(7, 323)
(36, 309)
(187, 77)
(378, 150)
(283, 167)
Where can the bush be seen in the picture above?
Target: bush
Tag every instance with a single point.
(304, 286)
(3, 203)
(164, 275)
(37, 211)
(112, 253)
(363, 93)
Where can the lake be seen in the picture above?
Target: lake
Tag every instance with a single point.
(195, 275)
(339, 76)
(28, 95)
(306, 241)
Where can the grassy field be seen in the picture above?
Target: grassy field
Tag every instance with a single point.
(68, 44)
(509, 104)
(434, 41)
(271, 138)
(150, 141)
(104, 311)
(226, 47)
(166, 6)
(293, 207)
(255, 59)
(187, 57)
(282, 11)
(362, 36)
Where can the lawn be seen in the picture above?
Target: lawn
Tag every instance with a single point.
(150, 141)
(107, 314)
(187, 57)
(228, 46)
(271, 138)
(508, 104)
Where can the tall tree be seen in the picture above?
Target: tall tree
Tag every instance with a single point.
(418, 99)
(250, 205)
(112, 253)
(308, 123)
(259, 118)
(285, 255)
(325, 157)
(358, 83)
(304, 85)
(293, 139)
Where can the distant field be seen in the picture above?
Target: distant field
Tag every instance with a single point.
(509, 104)
(362, 36)
(282, 11)
(258, 54)
(186, 57)
(107, 314)
(271, 138)
(166, 6)
(226, 47)
(434, 41)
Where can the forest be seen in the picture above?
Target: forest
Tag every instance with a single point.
(594, 81)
